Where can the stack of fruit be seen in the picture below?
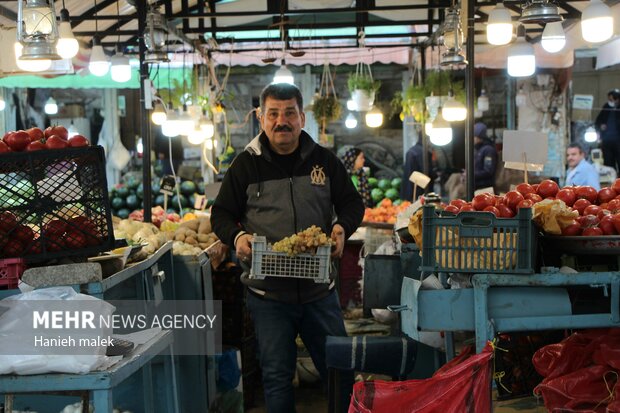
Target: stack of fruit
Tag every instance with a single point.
(599, 211)
(128, 197)
(386, 211)
(384, 188)
(35, 139)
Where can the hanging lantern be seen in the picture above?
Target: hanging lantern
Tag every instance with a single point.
(453, 39)
(37, 31)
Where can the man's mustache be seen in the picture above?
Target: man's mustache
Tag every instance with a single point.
(283, 128)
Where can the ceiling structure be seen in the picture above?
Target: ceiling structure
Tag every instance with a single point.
(255, 31)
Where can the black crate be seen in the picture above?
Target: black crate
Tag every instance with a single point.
(54, 203)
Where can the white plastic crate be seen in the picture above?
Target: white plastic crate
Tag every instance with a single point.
(268, 263)
(375, 237)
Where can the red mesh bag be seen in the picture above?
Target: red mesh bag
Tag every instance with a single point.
(465, 387)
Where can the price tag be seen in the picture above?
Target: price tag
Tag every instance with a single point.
(167, 185)
(200, 202)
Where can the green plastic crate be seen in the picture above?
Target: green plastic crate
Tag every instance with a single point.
(478, 242)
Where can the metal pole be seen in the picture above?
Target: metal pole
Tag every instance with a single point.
(144, 115)
(469, 89)
(425, 147)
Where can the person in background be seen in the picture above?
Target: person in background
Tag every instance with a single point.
(353, 160)
(414, 161)
(580, 172)
(607, 123)
(282, 183)
(485, 158)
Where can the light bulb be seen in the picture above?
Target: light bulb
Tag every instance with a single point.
(283, 75)
(158, 117)
(553, 38)
(374, 118)
(590, 135)
(483, 101)
(51, 108)
(428, 128)
(207, 127)
(453, 110)
(351, 105)
(597, 23)
(441, 134)
(140, 146)
(168, 128)
(67, 46)
(499, 26)
(120, 69)
(2, 103)
(350, 122)
(99, 64)
(209, 144)
(521, 59)
(196, 137)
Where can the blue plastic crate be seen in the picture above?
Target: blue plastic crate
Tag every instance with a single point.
(478, 242)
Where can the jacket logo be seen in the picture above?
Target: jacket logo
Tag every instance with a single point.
(317, 176)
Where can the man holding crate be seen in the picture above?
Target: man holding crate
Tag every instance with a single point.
(282, 183)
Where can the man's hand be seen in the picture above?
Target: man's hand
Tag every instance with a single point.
(243, 247)
(338, 239)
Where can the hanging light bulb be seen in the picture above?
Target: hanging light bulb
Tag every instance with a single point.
(351, 121)
(120, 69)
(428, 127)
(351, 105)
(483, 101)
(67, 46)
(178, 123)
(51, 108)
(39, 65)
(521, 59)
(374, 118)
(196, 136)
(597, 22)
(521, 98)
(590, 135)
(553, 37)
(499, 26)
(284, 75)
(453, 110)
(209, 144)
(158, 116)
(99, 64)
(2, 103)
(207, 126)
(441, 134)
(169, 127)
(140, 146)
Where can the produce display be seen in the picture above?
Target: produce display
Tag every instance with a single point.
(35, 139)
(385, 211)
(384, 188)
(192, 236)
(305, 241)
(128, 197)
(580, 210)
(136, 232)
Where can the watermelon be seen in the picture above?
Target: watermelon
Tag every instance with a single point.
(376, 194)
(372, 182)
(200, 187)
(397, 202)
(159, 200)
(396, 183)
(122, 191)
(183, 200)
(132, 202)
(384, 184)
(158, 169)
(187, 188)
(392, 194)
(122, 213)
(140, 191)
(132, 183)
(118, 203)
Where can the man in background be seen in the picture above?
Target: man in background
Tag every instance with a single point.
(608, 125)
(580, 172)
(414, 161)
(485, 158)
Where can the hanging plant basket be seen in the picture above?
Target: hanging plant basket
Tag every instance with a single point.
(363, 87)
(326, 107)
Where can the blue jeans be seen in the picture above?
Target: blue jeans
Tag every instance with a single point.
(277, 325)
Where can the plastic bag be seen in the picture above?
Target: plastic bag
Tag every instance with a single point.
(464, 387)
(15, 333)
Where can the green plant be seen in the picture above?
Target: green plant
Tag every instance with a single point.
(363, 82)
(326, 109)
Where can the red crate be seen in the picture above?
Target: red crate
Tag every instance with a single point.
(11, 269)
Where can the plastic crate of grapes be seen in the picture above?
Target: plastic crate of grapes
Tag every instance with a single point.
(54, 203)
(268, 263)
